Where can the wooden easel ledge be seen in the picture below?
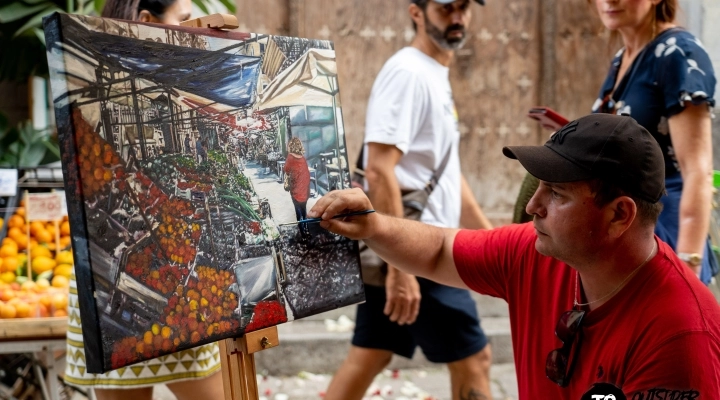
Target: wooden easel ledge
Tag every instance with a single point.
(215, 21)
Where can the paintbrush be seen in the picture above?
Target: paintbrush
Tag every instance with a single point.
(314, 220)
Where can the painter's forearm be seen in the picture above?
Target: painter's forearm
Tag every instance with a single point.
(417, 256)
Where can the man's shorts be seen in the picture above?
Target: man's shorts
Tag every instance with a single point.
(447, 328)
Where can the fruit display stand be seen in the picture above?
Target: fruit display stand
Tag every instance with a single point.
(33, 285)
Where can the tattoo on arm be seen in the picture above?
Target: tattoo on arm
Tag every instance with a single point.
(471, 394)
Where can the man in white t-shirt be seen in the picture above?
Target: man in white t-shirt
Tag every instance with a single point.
(411, 125)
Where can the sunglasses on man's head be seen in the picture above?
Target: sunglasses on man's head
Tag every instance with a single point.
(559, 363)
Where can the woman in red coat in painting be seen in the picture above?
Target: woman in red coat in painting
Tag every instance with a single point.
(298, 174)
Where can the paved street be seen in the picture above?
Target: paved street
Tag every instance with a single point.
(422, 384)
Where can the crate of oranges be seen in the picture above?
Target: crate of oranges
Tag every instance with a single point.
(36, 286)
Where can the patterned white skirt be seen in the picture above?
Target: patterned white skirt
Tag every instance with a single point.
(196, 363)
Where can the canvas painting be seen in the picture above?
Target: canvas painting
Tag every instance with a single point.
(189, 155)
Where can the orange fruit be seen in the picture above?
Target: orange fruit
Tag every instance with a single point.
(40, 251)
(28, 286)
(21, 211)
(166, 332)
(51, 230)
(64, 257)
(42, 285)
(15, 233)
(65, 228)
(46, 300)
(16, 221)
(23, 309)
(59, 301)
(36, 226)
(8, 277)
(64, 270)
(60, 313)
(8, 250)
(41, 264)
(22, 242)
(7, 295)
(43, 236)
(148, 338)
(60, 282)
(195, 337)
(7, 311)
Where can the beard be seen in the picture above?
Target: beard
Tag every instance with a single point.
(442, 38)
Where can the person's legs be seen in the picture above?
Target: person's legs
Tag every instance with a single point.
(357, 372)
(375, 340)
(298, 209)
(470, 377)
(206, 388)
(122, 394)
(303, 209)
(450, 312)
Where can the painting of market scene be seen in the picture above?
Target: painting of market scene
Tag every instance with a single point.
(189, 157)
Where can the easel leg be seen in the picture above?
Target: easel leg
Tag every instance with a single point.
(237, 359)
(238, 371)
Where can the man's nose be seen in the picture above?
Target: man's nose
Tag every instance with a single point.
(534, 206)
(457, 17)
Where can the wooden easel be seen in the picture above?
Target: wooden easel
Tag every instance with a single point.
(237, 358)
(215, 21)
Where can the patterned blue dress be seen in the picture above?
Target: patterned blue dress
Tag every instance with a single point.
(672, 71)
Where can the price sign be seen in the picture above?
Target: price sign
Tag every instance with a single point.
(8, 182)
(44, 206)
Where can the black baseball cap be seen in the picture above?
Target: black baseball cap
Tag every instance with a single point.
(610, 147)
(481, 2)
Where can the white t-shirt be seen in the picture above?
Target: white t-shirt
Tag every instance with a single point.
(411, 107)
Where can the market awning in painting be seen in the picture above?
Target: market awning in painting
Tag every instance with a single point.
(219, 76)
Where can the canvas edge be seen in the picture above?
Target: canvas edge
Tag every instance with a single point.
(76, 213)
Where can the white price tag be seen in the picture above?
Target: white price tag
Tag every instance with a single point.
(44, 206)
(64, 201)
(8, 182)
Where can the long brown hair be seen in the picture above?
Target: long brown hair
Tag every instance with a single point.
(666, 11)
(121, 9)
(130, 9)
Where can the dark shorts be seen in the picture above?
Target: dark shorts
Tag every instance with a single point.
(447, 328)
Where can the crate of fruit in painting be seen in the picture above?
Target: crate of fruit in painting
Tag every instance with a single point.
(176, 145)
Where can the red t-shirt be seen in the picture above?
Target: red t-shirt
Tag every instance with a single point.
(299, 173)
(657, 338)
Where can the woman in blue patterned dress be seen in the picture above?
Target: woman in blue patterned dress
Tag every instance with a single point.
(664, 79)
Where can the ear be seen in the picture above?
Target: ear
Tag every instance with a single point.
(145, 16)
(621, 213)
(418, 15)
